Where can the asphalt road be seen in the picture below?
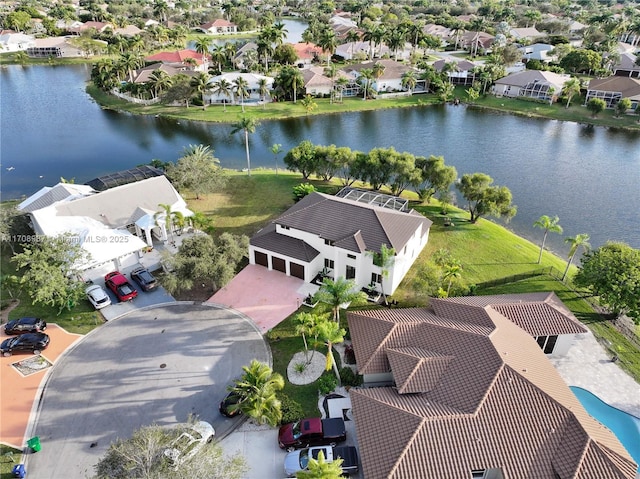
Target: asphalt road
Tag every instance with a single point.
(156, 365)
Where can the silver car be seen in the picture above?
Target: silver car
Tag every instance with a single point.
(97, 296)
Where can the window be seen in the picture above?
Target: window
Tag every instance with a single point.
(329, 263)
(351, 272)
(547, 343)
(329, 242)
(351, 256)
(477, 474)
(376, 278)
(284, 227)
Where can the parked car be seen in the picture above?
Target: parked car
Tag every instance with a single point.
(34, 342)
(117, 282)
(311, 432)
(229, 400)
(145, 280)
(299, 460)
(97, 296)
(189, 442)
(25, 325)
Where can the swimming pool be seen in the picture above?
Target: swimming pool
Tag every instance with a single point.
(625, 426)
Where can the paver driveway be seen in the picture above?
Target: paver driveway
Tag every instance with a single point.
(157, 365)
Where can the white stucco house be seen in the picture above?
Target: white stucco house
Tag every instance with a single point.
(538, 51)
(15, 42)
(339, 236)
(253, 88)
(218, 27)
(115, 225)
(540, 85)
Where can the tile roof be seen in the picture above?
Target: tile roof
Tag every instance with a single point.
(470, 393)
(268, 239)
(353, 226)
(176, 57)
(525, 77)
(628, 87)
(392, 69)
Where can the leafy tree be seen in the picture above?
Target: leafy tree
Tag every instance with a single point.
(612, 272)
(197, 171)
(581, 61)
(548, 225)
(17, 20)
(9, 216)
(285, 54)
(180, 90)
(571, 88)
(484, 199)
(142, 456)
(258, 387)
(302, 190)
(435, 176)
(308, 104)
(338, 293)
(580, 240)
(50, 268)
(378, 166)
(302, 158)
(622, 106)
(201, 259)
(473, 94)
(247, 125)
(321, 469)
(596, 106)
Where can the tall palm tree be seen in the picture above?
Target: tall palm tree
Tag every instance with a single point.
(571, 88)
(304, 325)
(202, 45)
(129, 62)
(452, 270)
(241, 89)
(409, 80)
(219, 55)
(263, 91)
(169, 217)
(258, 387)
(328, 42)
(548, 225)
(200, 83)
(265, 50)
(330, 333)
(222, 87)
(352, 37)
(159, 81)
(378, 71)
(330, 72)
(276, 149)
(278, 33)
(247, 125)
(577, 241)
(366, 75)
(341, 84)
(384, 259)
(338, 293)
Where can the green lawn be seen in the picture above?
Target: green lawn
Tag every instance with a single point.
(6, 464)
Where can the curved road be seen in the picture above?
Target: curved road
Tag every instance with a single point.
(157, 365)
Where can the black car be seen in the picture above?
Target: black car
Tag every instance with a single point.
(34, 342)
(145, 279)
(25, 325)
(230, 399)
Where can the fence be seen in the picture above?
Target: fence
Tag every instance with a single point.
(131, 99)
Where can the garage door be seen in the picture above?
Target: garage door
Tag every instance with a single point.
(296, 270)
(279, 264)
(261, 258)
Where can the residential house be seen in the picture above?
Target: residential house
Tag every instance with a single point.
(613, 89)
(538, 51)
(536, 84)
(128, 31)
(253, 88)
(142, 75)
(218, 27)
(242, 52)
(360, 50)
(340, 235)
(54, 47)
(462, 389)
(526, 34)
(308, 53)
(389, 81)
(182, 59)
(477, 43)
(627, 66)
(435, 30)
(341, 23)
(100, 27)
(316, 83)
(114, 218)
(11, 41)
(461, 74)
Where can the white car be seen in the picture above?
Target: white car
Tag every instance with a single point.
(97, 296)
(189, 442)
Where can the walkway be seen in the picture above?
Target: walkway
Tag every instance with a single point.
(267, 297)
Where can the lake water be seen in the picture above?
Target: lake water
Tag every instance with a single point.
(587, 176)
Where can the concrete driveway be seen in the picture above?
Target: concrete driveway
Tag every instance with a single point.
(156, 365)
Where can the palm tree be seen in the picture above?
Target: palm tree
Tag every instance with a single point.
(202, 45)
(308, 104)
(330, 333)
(384, 259)
(276, 149)
(341, 84)
(328, 42)
(263, 91)
(201, 221)
(321, 469)
(248, 125)
(330, 72)
(200, 83)
(169, 217)
(547, 224)
(159, 81)
(305, 324)
(240, 88)
(338, 293)
(278, 33)
(409, 80)
(571, 88)
(222, 87)
(452, 270)
(366, 75)
(219, 55)
(352, 37)
(265, 50)
(257, 387)
(580, 240)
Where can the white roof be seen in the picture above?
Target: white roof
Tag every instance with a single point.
(251, 78)
(50, 195)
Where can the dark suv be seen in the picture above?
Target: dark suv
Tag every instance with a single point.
(145, 280)
(25, 325)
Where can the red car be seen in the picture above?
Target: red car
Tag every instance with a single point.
(117, 282)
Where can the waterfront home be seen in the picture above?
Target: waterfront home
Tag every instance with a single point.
(389, 81)
(182, 59)
(11, 41)
(316, 83)
(55, 47)
(460, 74)
(462, 389)
(536, 84)
(613, 89)
(339, 236)
(253, 88)
(308, 53)
(218, 27)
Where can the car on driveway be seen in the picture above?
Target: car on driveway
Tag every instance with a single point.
(299, 460)
(229, 400)
(189, 442)
(118, 283)
(144, 278)
(33, 342)
(312, 432)
(97, 296)
(25, 325)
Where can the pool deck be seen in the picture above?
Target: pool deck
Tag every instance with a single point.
(588, 365)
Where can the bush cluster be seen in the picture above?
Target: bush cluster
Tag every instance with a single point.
(349, 377)
(291, 409)
(327, 383)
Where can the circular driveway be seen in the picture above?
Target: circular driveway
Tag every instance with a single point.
(158, 365)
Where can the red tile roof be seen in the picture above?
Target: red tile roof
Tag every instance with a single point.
(176, 57)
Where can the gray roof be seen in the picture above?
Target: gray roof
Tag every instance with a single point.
(268, 239)
(351, 225)
(59, 192)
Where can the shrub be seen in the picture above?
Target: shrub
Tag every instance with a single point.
(291, 409)
(327, 383)
(349, 377)
(302, 190)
